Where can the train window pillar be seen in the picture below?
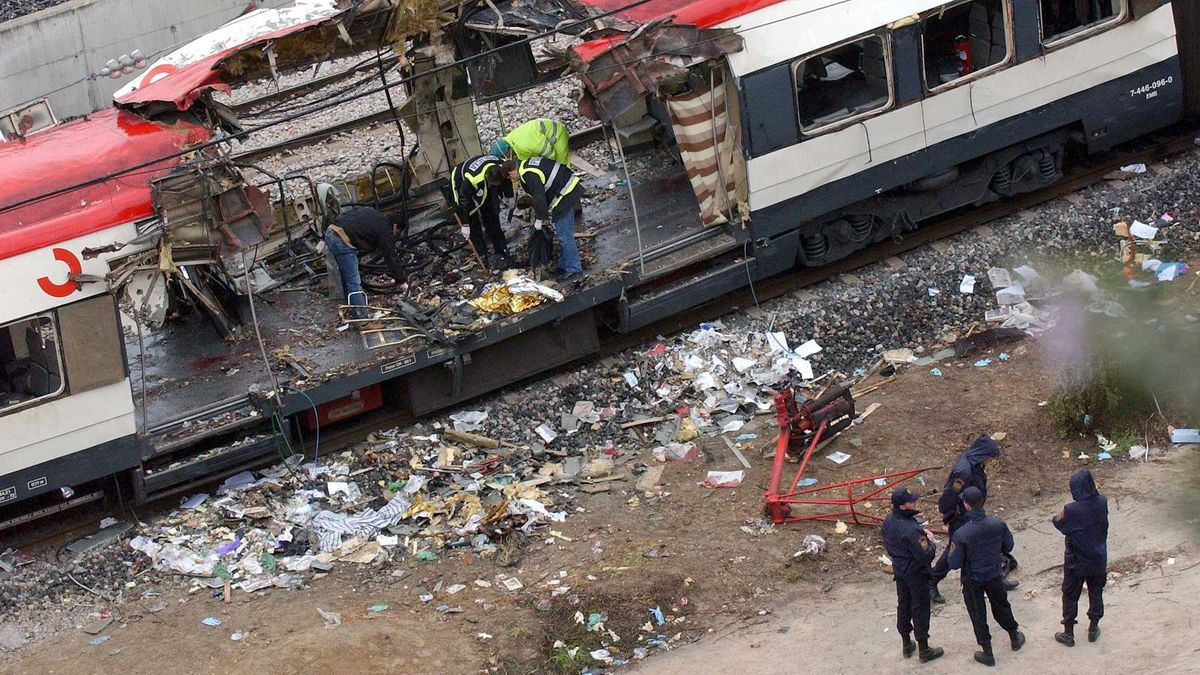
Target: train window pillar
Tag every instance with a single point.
(965, 39)
(1065, 19)
(30, 362)
(843, 83)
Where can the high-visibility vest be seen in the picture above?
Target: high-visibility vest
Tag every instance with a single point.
(475, 172)
(547, 181)
(537, 138)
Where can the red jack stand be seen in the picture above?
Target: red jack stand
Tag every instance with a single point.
(808, 424)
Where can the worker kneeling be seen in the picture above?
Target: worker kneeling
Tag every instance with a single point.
(536, 138)
(352, 231)
(477, 186)
(555, 192)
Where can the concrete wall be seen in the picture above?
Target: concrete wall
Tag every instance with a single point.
(54, 48)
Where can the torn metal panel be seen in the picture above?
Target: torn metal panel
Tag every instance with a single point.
(209, 211)
(659, 55)
(525, 18)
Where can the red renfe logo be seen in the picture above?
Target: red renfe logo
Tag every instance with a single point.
(74, 268)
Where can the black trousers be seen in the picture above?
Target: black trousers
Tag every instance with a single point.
(1072, 587)
(487, 221)
(912, 605)
(974, 593)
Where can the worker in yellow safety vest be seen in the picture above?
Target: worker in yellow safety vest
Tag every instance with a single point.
(555, 192)
(536, 138)
(477, 186)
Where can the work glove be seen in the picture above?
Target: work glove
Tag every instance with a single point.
(539, 224)
(465, 230)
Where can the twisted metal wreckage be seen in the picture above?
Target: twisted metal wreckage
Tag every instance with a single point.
(214, 208)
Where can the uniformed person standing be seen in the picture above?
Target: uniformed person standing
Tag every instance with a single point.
(542, 137)
(912, 549)
(970, 470)
(555, 192)
(977, 548)
(477, 186)
(1084, 523)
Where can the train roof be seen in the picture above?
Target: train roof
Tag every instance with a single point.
(774, 30)
(77, 152)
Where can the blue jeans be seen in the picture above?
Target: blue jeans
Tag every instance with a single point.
(564, 228)
(347, 262)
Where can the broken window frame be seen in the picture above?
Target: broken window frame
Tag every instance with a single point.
(57, 353)
(879, 34)
(1009, 54)
(1081, 32)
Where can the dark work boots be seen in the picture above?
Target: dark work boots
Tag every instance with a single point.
(1066, 637)
(1018, 639)
(1094, 631)
(909, 647)
(935, 595)
(928, 653)
(984, 656)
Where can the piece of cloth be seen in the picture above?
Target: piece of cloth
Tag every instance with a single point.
(913, 606)
(1072, 587)
(908, 547)
(370, 232)
(1084, 524)
(978, 547)
(540, 248)
(347, 263)
(974, 594)
(551, 186)
(708, 147)
(541, 137)
(564, 228)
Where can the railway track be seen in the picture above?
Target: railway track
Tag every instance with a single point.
(1159, 146)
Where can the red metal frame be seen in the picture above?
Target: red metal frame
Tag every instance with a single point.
(779, 503)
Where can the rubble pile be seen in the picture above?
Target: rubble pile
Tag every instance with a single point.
(398, 496)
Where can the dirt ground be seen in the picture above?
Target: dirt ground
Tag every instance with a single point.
(731, 600)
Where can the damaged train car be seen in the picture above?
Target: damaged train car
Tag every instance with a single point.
(781, 133)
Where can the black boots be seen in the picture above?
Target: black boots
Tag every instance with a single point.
(1018, 639)
(984, 656)
(1093, 631)
(935, 595)
(1067, 636)
(928, 653)
(1010, 585)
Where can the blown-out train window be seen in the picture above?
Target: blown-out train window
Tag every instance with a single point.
(843, 83)
(30, 362)
(964, 39)
(1064, 19)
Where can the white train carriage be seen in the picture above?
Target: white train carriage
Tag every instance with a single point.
(862, 118)
(66, 409)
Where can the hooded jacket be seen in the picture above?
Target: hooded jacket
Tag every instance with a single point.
(967, 472)
(1084, 523)
(979, 545)
(908, 547)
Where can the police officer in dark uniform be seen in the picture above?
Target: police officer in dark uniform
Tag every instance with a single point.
(1084, 523)
(477, 185)
(912, 550)
(970, 470)
(977, 548)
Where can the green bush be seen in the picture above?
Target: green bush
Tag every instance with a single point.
(1097, 396)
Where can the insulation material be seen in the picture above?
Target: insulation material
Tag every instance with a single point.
(701, 126)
